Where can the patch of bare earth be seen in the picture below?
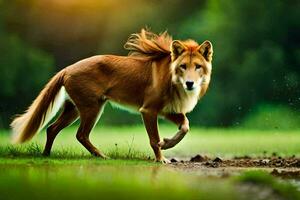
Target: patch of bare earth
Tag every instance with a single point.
(282, 167)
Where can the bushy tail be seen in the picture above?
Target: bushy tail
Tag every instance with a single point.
(41, 111)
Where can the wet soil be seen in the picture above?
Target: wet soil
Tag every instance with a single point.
(288, 167)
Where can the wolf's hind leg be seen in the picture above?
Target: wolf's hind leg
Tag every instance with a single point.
(183, 123)
(88, 117)
(68, 116)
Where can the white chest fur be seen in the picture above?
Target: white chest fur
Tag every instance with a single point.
(183, 101)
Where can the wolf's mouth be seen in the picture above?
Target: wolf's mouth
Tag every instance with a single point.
(190, 89)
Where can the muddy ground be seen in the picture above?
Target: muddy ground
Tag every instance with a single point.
(277, 166)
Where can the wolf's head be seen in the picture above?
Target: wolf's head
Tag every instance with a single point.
(191, 63)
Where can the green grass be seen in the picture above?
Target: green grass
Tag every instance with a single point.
(133, 143)
(71, 172)
(104, 181)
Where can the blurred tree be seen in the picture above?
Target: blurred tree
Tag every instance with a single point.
(268, 116)
(75, 29)
(23, 72)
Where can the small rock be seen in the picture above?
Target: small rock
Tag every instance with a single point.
(264, 162)
(217, 159)
(212, 164)
(174, 160)
(198, 158)
(207, 163)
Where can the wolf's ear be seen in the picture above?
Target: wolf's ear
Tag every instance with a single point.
(177, 48)
(206, 50)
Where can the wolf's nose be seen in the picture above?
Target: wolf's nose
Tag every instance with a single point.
(189, 85)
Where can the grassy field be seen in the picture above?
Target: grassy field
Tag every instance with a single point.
(132, 142)
(71, 172)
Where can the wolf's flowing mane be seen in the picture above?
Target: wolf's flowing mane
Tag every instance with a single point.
(148, 44)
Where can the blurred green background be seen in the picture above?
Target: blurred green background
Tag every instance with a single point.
(256, 66)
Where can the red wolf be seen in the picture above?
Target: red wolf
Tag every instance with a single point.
(160, 76)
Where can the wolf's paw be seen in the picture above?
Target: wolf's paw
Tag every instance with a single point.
(101, 155)
(163, 160)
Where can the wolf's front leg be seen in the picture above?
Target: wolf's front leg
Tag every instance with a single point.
(182, 121)
(150, 121)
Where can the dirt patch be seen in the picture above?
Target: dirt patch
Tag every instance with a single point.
(246, 161)
(289, 174)
(282, 167)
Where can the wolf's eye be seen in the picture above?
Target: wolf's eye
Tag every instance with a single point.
(198, 66)
(183, 66)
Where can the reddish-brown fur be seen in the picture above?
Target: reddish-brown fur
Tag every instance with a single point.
(151, 80)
